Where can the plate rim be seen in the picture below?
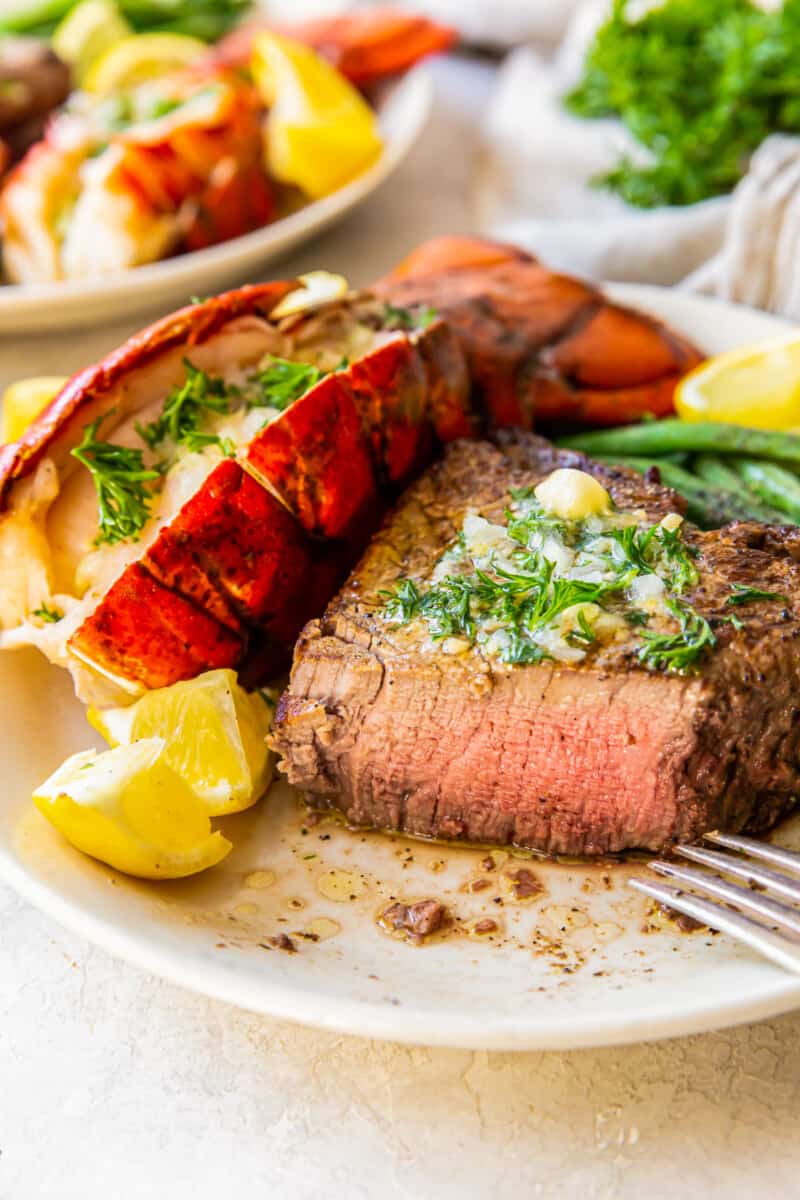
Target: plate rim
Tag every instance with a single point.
(21, 304)
(304, 1005)
(397, 1024)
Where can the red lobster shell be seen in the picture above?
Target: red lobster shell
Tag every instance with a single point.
(265, 539)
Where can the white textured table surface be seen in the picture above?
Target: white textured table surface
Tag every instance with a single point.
(116, 1084)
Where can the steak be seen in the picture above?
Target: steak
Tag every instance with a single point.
(582, 758)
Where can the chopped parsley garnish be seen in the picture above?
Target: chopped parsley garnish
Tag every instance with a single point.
(119, 112)
(185, 408)
(280, 382)
(120, 479)
(583, 632)
(48, 615)
(115, 113)
(678, 651)
(744, 595)
(403, 603)
(395, 317)
(520, 527)
(536, 587)
(522, 652)
(636, 616)
(158, 106)
(524, 603)
(679, 557)
(644, 549)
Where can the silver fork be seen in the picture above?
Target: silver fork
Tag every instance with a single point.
(752, 913)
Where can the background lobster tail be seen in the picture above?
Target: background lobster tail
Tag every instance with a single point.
(365, 46)
(542, 348)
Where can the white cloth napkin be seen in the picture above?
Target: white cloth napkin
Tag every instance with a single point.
(490, 23)
(534, 188)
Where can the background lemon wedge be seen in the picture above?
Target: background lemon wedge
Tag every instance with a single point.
(23, 401)
(87, 32)
(757, 386)
(128, 808)
(139, 58)
(320, 132)
(214, 733)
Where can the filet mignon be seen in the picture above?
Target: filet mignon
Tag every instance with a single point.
(585, 758)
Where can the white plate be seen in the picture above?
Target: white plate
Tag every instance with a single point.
(402, 110)
(572, 967)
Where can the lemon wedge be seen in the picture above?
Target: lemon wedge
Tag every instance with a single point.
(87, 32)
(139, 58)
(23, 401)
(127, 808)
(320, 132)
(758, 386)
(214, 732)
(318, 288)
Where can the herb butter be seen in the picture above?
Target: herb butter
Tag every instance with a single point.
(573, 494)
(565, 573)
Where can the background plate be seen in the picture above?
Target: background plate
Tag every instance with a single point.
(581, 963)
(402, 110)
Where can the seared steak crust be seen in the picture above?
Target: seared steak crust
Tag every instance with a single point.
(591, 758)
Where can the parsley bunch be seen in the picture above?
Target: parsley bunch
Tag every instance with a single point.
(700, 84)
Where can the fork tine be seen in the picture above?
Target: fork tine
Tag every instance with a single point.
(743, 898)
(773, 881)
(790, 859)
(771, 945)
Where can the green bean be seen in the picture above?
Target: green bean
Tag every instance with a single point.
(709, 507)
(207, 19)
(718, 473)
(666, 437)
(28, 18)
(772, 484)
